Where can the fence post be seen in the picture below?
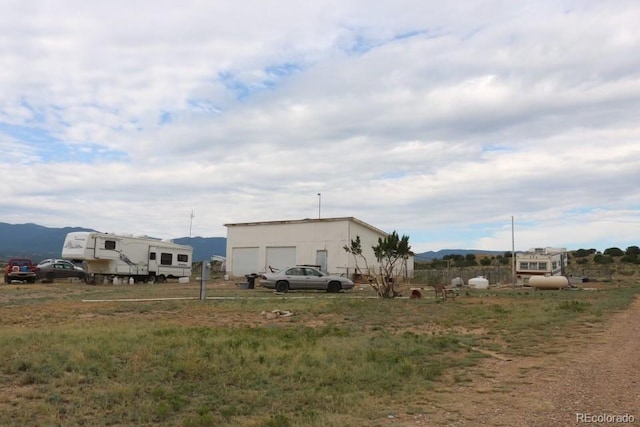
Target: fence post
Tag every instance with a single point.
(204, 278)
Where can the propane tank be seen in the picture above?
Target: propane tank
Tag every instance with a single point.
(548, 282)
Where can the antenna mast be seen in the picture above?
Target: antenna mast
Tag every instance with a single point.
(191, 222)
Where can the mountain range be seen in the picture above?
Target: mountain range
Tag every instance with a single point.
(38, 242)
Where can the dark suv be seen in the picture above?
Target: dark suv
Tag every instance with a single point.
(20, 269)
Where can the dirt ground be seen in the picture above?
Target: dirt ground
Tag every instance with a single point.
(596, 380)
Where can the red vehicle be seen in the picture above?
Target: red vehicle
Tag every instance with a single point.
(20, 269)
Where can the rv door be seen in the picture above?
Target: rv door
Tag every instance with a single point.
(154, 253)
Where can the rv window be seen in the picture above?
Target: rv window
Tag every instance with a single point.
(183, 258)
(166, 259)
(110, 244)
(152, 256)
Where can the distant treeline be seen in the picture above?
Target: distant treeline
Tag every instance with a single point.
(581, 256)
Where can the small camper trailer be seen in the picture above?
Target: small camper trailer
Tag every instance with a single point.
(540, 262)
(143, 259)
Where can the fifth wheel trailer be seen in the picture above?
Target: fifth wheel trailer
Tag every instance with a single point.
(144, 259)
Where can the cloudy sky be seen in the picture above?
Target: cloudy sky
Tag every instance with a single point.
(441, 120)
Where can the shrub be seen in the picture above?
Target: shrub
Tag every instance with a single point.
(603, 259)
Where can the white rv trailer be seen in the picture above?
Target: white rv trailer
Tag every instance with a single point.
(144, 259)
(540, 262)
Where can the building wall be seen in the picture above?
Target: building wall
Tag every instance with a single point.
(308, 236)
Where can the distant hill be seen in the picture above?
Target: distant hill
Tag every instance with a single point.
(205, 247)
(430, 255)
(38, 242)
(32, 240)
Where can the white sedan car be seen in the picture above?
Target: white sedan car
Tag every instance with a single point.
(304, 277)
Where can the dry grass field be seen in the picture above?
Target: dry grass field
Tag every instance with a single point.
(73, 354)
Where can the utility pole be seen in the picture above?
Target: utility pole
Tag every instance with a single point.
(319, 203)
(513, 255)
(191, 222)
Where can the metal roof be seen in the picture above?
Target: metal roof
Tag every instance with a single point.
(307, 221)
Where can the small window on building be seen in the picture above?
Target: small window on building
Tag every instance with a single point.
(166, 259)
(524, 266)
(110, 244)
(183, 258)
(542, 266)
(152, 256)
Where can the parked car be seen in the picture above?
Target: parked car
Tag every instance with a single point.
(20, 269)
(49, 270)
(303, 277)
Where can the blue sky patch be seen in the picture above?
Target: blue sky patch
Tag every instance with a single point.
(238, 87)
(283, 70)
(50, 149)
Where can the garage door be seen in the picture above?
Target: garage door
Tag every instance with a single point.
(279, 257)
(244, 261)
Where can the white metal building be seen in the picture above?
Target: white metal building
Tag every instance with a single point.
(255, 247)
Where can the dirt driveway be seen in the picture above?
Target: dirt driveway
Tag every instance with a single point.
(596, 381)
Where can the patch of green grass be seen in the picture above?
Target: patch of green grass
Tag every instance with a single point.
(331, 364)
(153, 373)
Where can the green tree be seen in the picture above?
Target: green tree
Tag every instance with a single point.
(614, 251)
(632, 250)
(581, 253)
(486, 261)
(389, 252)
(504, 260)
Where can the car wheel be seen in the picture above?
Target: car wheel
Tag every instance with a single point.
(282, 286)
(334, 287)
(48, 278)
(161, 279)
